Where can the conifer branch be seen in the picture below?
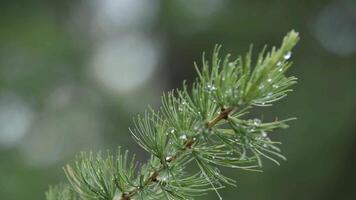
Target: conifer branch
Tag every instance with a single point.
(206, 126)
(187, 145)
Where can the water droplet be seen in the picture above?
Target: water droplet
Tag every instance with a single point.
(269, 80)
(280, 69)
(183, 137)
(211, 87)
(172, 131)
(279, 63)
(180, 108)
(169, 158)
(261, 87)
(269, 95)
(264, 134)
(287, 55)
(256, 122)
(275, 86)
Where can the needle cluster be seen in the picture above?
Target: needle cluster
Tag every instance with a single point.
(203, 126)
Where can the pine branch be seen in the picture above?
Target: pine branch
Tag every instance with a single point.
(205, 126)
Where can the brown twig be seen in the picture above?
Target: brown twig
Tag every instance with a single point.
(223, 115)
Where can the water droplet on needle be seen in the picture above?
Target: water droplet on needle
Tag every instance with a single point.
(287, 55)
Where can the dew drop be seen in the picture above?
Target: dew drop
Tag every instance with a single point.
(269, 80)
(264, 134)
(275, 86)
(180, 108)
(211, 87)
(279, 63)
(287, 55)
(183, 137)
(280, 69)
(168, 158)
(256, 122)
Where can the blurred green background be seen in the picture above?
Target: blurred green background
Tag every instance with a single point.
(73, 73)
